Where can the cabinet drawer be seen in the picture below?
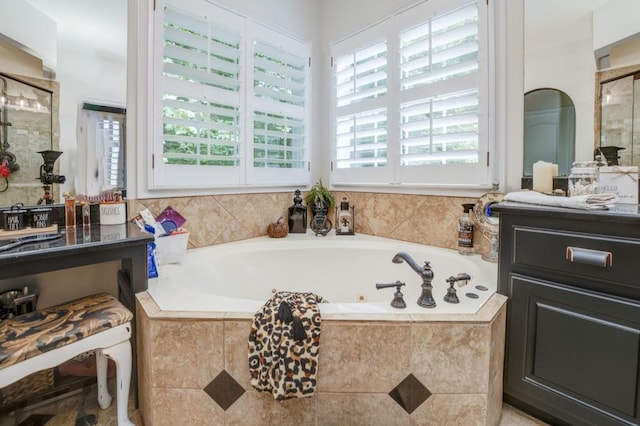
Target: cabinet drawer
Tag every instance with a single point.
(604, 258)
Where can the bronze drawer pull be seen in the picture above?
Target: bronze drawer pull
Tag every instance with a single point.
(589, 257)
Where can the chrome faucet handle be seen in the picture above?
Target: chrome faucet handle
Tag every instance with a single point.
(398, 300)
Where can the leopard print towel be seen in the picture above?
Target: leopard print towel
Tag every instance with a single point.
(283, 345)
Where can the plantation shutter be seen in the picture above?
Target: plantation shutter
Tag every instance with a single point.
(361, 77)
(278, 106)
(442, 92)
(436, 120)
(362, 135)
(111, 129)
(235, 100)
(200, 139)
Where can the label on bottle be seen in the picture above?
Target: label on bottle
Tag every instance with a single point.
(465, 235)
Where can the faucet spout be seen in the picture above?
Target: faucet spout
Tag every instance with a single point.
(403, 256)
(426, 299)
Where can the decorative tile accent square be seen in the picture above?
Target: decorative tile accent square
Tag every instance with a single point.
(224, 390)
(410, 393)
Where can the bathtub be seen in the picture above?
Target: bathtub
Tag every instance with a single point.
(240, 276)
(198, 313)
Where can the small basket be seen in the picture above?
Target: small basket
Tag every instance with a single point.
(33, 384)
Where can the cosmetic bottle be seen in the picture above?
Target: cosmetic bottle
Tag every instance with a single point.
(69, 211)
(465, 231)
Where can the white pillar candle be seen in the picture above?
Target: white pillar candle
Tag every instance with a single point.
(543, 176)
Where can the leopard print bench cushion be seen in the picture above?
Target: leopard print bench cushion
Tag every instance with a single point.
(32, 334)
(280, 362)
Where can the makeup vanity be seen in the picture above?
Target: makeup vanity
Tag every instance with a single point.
(573, 319)
(125, 243)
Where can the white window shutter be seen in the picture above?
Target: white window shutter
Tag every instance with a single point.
(437, 127)
(278, 125)
(234, 100)
(361, 121)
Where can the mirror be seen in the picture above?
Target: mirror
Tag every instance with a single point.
(549, 129)
(618, 115)
(88, 66)
(27, 110)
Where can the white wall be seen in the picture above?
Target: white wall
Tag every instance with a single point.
(562, 58)
(296, 17)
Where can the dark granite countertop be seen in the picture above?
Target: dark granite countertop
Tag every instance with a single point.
(77, 240)
(621, 213)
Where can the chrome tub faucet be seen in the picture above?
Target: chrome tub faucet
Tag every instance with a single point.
(426, 274)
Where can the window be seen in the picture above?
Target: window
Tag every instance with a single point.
(101, 151)
(410, 98)
(233, 107)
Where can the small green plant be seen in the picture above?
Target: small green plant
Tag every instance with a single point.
(319, 194)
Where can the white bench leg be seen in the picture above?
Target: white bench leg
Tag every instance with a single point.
(121, 355)
(104, 398)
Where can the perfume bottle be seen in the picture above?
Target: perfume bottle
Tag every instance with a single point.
(69, 211)
(297, 215)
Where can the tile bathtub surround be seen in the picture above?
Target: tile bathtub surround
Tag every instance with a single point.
(362, 366)
(216, 219)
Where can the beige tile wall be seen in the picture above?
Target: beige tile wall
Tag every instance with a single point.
(360, 363)
(215, 219)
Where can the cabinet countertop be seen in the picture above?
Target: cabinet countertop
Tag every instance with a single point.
(621, 213)
(76, 240)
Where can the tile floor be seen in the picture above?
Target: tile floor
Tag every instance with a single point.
(81, 409)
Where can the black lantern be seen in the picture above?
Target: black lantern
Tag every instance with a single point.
(345, 218)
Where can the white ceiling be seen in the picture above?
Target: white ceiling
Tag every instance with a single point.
(97, 25)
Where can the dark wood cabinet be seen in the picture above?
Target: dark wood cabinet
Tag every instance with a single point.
(573, 321)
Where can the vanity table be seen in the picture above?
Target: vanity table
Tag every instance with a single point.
(125, 243)
(573, 318)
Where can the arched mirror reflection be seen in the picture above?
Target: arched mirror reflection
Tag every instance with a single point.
(549, 129)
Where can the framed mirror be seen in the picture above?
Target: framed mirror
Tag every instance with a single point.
(28, 125)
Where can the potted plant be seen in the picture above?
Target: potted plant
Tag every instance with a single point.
(320, 201)
(319, 197)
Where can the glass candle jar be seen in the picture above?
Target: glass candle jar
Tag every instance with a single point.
(583, 179)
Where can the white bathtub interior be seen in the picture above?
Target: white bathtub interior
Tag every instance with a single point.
(240, 276)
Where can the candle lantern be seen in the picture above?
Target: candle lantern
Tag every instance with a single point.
(345, 218)
(297, 215)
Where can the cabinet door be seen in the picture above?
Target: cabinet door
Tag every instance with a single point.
(572, 353)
